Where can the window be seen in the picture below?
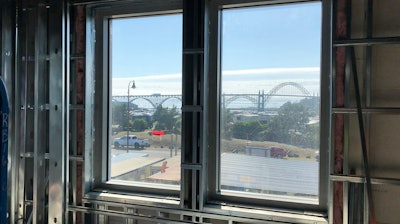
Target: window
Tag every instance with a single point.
(254, 121)
(146, 64)
(137, 85)
(270, 101)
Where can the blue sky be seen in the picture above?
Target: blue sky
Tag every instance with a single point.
(147, 46)
(149, 49)
(272, 37)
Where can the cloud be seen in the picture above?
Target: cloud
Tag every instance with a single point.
(233, 81)
(153, 77)
(266, 71)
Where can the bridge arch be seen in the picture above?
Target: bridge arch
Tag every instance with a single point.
(169, 98)
(277, 88)
(143, 98)
(230, 99)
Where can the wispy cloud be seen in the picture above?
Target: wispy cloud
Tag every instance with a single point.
(233, 81)
(152, 77)
(265, 71)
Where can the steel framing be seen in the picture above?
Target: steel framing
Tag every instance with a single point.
(37, 162)
(347, 184)
(58, 106)
(40, 176)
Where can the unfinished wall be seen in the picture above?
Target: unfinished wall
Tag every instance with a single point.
(378, 71)
(379, 78)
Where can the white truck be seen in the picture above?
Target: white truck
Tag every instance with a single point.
(131, 141)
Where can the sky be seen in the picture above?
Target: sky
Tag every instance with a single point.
(261, 48)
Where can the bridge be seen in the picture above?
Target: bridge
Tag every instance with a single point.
(259, 101)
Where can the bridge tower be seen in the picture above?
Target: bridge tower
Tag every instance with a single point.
(261, 104)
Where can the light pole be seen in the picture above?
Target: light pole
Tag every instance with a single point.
(130, 85)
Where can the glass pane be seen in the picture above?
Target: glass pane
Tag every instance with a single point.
(146, 68)
(270, 101)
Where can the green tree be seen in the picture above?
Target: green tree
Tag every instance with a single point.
(291, 121)
(164, 118)
(294, 116)
(313, 104)
(226, 123)
(311, 137)
(178, 126)
(250, 130)
(120, 115)
(139, 124)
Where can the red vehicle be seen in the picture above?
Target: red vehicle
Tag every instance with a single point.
(277, 152)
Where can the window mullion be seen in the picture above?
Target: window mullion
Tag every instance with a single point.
(212, 81)
(192, 103)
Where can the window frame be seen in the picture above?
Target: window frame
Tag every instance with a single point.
(242, 199)
(97, 107)
(98, 94)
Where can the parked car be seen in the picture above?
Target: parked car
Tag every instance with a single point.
(132, 141)
(278, 152)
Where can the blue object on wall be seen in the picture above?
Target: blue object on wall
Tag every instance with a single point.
(4, 111)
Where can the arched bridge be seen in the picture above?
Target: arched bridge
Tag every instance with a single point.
(153, 100)
(255, 101)
(261, 100)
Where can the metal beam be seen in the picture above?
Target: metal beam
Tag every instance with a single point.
(57, 111)
(360, 179)
(370, 110)
(366, 41)
(40, 120)
(21, 118)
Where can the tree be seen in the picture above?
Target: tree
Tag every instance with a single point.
(226, 123)
(311, 137)
(249, 130)
(294, 115)
(291, 121)
(312, 103)
(178, 126)
(139, 124)
(164, 118)
(120, 115)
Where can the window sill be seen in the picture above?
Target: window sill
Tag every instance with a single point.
(106, 197)
(218, 211)
(260, 214)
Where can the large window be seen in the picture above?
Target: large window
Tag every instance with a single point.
(270, 101)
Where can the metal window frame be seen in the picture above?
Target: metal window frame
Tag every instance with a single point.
(97, 104)
(214, 194)
(98, 95)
